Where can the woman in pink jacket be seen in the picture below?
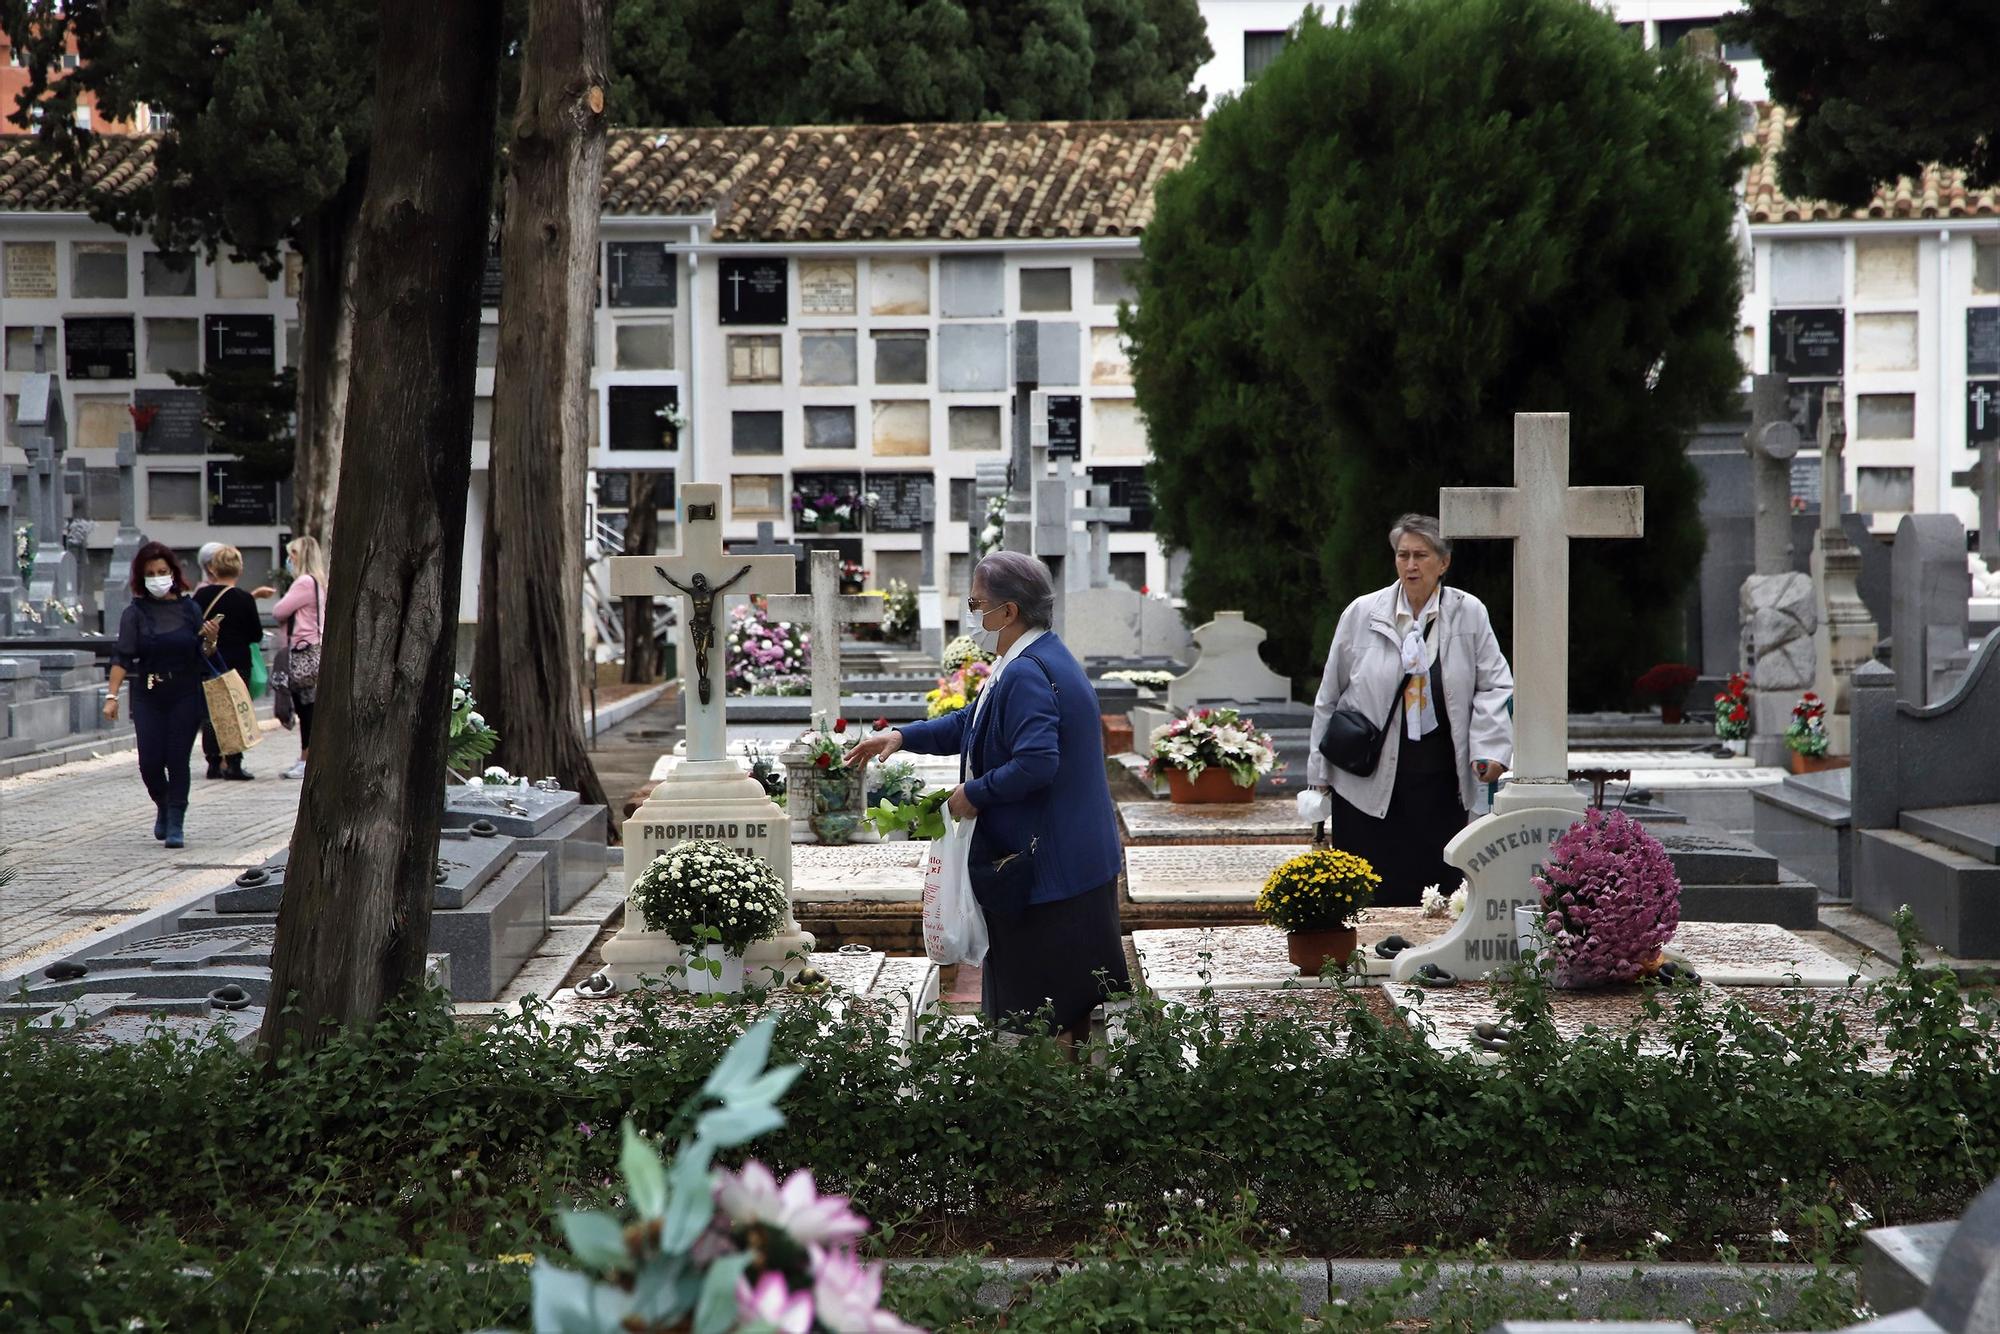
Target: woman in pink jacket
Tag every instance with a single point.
(302, 611)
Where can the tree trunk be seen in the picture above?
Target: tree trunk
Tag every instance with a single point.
(529, 652)
(642, 538)
(326, 246)
(355, 923)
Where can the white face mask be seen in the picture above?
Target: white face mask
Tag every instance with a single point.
(975, 630)
(159, 585)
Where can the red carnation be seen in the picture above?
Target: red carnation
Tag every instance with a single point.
(1145, 590)
(881, 724)
(1738, 714)
(840, 724)
(824, 761)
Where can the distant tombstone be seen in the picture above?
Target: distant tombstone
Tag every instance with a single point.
(1809, 342)
(1983, 479)
(902, 501)
(99, 348)
(1772, 441)
(754, 290)
(117, 591)
(642, 273)
(240, 342)
(173, 421)
(236, 499)
(826, 287)
(1982, 340)
(1230, 669)
(1845, 635)
(1929, 589)
(1097, 517)
(1965, 1289)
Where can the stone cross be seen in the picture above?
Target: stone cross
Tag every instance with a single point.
(117, 591)
(825, 610)
(1984, 478)
(1845, 635)
(1098, 516)
(1771, 441)
(1541, 512)
(767, 544)
(702, 574)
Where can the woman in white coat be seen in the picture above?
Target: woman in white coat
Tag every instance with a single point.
(1450, 728)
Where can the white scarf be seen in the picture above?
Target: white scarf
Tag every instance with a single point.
(1418, 653)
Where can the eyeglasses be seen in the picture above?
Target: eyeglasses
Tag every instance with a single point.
(982, 606)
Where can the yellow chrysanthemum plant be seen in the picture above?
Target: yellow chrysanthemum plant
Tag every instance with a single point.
(1321, 890)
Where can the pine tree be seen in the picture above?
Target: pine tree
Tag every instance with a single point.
(1412, 226)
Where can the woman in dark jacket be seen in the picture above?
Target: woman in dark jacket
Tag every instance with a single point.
(162, 641)
(242, 629)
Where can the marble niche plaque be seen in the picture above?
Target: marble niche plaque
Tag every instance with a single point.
(826, 287)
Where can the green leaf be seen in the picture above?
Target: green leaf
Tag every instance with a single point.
(743, 1062)
(596, 1239)
(727, 1127)
(645, 1176)
(716, 1311)
(661, 1294)
(693, 1200)
(568, 1303)
(766, 1089)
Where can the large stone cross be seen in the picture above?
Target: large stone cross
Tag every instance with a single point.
(702, 574)
(1771, 441)
(767, 544)
(1541, 512)
(825, 610)
(1984, 477)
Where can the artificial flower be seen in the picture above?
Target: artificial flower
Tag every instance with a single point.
(797, 1208)
(772, 1303)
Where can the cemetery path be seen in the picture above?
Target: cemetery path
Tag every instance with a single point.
(79, 839)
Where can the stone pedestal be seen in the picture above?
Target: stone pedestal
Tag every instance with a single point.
(711, 799)
(1779, 619)
(1845, 636)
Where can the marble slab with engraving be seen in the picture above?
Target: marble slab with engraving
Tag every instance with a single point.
(1272, 819)
(1203, 873)
(859, 872)
(1251, 957)
(1664, 757)
(1720, 773)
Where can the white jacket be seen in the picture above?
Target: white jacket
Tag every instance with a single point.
(1364, 667)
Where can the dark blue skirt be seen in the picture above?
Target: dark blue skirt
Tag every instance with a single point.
(1049, 967)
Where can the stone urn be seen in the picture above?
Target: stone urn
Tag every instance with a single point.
(1311, 951)
(1215, 786)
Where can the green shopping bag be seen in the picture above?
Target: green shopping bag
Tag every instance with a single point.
(260, 674)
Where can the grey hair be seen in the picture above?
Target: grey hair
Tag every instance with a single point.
(1423, 527)
(1022, 580)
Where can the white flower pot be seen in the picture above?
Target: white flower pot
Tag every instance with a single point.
(700, 982)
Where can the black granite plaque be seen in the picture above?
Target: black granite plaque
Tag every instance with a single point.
(1805, 401)
(241, 342)
(614, 490)
(1809, 342)
(1128, 488)
(99, 348)
(235, 499)
(1805, 483)
(643, 273)
(754, 291)
(1065, 426)
(1982, 411)
(489, 278)
(1982, 340)
(901, 500)
(636, 420)
(176, 426)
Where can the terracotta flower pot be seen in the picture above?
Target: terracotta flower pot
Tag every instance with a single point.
(1216, 785)
(1672, 713)
(1311, 951)
(1812, 764)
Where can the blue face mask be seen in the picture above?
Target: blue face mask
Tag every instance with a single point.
(290, 568)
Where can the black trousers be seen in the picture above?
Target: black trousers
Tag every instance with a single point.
(166, 720)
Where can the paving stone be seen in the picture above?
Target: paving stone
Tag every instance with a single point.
(1265, 819)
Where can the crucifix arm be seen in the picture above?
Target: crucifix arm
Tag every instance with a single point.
(732, 579)
(675, 582)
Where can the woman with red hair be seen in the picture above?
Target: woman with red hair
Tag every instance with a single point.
(162, 641)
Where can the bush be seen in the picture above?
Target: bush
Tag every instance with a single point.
(384, 1179)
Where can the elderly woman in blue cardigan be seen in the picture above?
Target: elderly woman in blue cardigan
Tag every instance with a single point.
(1033, 759)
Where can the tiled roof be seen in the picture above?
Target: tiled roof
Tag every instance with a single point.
(31, 183)
(896, 182)
(1940, 193)
(935, 182)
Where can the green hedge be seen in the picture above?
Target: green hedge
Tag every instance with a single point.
(424, 1141)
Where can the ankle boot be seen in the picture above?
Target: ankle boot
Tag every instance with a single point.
(215, 768)
(176, 818)
(159, 819)
(234, 772)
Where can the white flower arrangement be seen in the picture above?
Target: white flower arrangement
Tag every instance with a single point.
(1205, 738)
(704, 883)
(994, 531)
(1144, 680)
(1436, 904)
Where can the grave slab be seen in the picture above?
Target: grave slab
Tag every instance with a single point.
(1269, 819)
(859, 872)
(1203, 874)
(518, 812)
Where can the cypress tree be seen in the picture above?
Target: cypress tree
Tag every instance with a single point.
(1416, 223)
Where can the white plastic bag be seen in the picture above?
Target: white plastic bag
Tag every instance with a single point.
(1314, 806)
(954, 928)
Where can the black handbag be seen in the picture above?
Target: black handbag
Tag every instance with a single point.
(1352, 741)
(1002, 878)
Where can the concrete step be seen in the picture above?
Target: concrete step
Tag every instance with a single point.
(1972, 830)
(1956, 898)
